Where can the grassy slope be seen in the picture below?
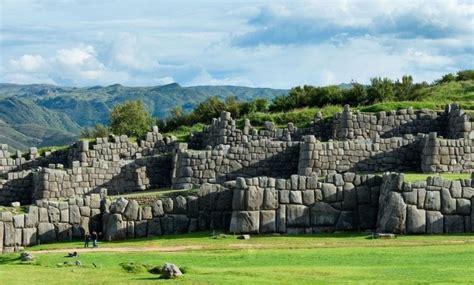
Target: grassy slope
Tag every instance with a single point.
(315, 259)
(434, 98)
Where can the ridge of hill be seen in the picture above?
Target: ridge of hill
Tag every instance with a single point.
(43, 114)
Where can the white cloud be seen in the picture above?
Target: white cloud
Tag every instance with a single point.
(287, 44)
(76, 56)
(28, 63)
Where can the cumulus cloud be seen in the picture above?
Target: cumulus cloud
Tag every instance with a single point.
(315, 22)
(28, 63)
(257, 43)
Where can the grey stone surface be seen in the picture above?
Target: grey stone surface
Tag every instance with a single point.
(415, 220)
(392, 213)
(323, 214)
(453, 224)
(432, 200)
(157, 208)
(329, 192)
(115, 227)
(254, 198)
(297, 216)
(131, 212)
(46, 233)
(448, 204)
(245, 222)
(270, 199)
(267, 221)
(434, 222)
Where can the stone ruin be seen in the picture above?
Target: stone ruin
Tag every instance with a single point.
(323, 178)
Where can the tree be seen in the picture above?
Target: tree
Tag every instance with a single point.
(465, 75)
(99, 131)
(380, 90)
(130, 118)
(261, 104)
(446, 78)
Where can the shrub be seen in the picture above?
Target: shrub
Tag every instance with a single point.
(130, 118)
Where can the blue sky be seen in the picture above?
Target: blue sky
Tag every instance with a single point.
(277, 44)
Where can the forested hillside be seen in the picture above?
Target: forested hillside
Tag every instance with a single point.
(42, 115)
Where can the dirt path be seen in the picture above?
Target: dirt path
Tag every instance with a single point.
(124, 249)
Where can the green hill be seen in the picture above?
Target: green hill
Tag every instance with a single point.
(42, 114)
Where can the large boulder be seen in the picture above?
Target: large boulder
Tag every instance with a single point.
(434, 222)
(323, 214)
(267, 221)
(170, 271)
(46, 233)
(154, 227)
(415, 220)
(453, 224)
(392, 208)
(74, 215)
(119, 205)
(254, 198)
(115, 227)
(270, 200)
(131, 212)
(297, 216)
(448, 204)
(157, 208)
(245, 222)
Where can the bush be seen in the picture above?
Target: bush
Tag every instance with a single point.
(132, 267)
(99, 131)
(130, 118)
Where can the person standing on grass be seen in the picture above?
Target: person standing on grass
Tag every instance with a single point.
(87, 239)
(94, 239)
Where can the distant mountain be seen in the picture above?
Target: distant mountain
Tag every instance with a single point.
(42, 114)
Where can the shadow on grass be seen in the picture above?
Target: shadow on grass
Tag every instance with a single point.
(9, 259)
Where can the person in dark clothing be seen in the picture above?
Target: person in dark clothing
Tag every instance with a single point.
(87, 240)
(94, 237)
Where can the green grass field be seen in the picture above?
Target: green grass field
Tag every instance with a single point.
(304, 259)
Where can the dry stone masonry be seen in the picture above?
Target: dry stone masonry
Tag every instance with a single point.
(323, 178)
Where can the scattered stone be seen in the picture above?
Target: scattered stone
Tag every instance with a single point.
(244, 237)
(26, 256)
(170, 271)
(385, 236)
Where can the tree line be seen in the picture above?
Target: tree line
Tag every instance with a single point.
(131, 118)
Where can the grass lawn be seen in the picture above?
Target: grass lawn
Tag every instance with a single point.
(303, 259)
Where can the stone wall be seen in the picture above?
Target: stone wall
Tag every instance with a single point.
(120, 147)
(19, 161)
(223, 163)
(65, 220)
(303, 204)
(117, 177)
(382, 154)
(116, 164)
(223, 130)
(50, 221)
(348, 125)
(210, 210)
(447, 155)
(460, 125)
(433, 206)
(17, 186)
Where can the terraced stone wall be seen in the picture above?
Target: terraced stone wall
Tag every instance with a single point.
(303, 204)
(122, 176)
(223, 163)
(426, 207)
(50, 221)
(390, 154)
(447, 155)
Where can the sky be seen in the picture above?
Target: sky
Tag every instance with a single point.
(278, 44)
